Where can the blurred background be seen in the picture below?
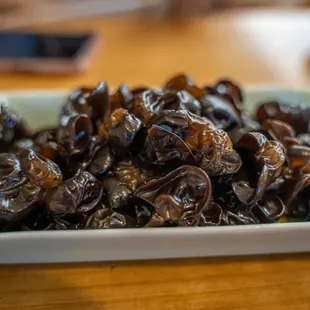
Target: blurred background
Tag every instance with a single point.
(146, 41)
(22, 12)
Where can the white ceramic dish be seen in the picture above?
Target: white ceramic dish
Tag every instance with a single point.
(41, 109)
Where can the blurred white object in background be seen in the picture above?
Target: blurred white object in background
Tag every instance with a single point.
(190, 7)
(18, 13)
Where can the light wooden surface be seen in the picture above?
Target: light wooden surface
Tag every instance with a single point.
(280, 282)
(269, 47)
(266, 47)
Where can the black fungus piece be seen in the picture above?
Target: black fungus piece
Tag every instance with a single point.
(79, 194)
(117, 193)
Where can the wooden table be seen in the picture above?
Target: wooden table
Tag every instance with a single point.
(266, 47)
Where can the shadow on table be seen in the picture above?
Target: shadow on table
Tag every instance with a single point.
(48, 287)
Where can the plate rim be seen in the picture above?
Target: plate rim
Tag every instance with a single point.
(258, 229)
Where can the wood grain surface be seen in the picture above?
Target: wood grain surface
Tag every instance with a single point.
(261, 282)
(265, 47)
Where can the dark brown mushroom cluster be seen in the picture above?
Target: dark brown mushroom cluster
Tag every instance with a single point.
(182, 155)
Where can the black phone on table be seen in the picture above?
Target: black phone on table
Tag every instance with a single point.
(46, 53)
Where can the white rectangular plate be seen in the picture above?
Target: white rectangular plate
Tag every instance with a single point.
(41, 109)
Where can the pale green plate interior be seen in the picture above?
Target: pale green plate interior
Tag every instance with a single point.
(256, 96)
(41, 108)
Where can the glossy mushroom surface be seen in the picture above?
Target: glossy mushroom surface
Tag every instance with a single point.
(141, 157)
